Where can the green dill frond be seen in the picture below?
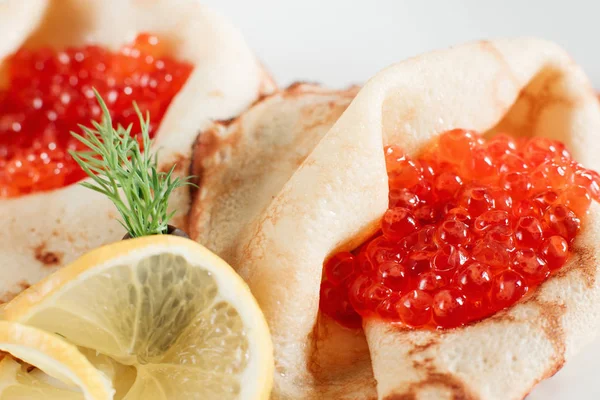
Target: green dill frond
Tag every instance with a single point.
(127, 174)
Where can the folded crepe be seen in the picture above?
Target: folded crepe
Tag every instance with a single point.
(241, 166)
(42, 231)
(284, 186)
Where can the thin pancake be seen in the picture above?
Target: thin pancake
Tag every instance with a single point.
(242, 165)
(43, 231)
(336, 196)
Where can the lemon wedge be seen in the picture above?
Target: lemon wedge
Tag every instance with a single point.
(59, 362)
(166, 306)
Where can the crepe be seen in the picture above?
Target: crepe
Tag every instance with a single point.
(241, 166)
(275, 208)
(43, 231)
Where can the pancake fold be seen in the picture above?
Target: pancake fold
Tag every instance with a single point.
(302, 174)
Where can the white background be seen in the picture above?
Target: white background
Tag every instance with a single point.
(338, 43)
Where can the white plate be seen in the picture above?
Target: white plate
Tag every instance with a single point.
(341, 42)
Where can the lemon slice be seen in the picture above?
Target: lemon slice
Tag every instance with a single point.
(122, 376)
(17, 383)
(74, 376)
(165, 305)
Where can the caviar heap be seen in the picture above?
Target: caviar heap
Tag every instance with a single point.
(472, 226)
(49, 93)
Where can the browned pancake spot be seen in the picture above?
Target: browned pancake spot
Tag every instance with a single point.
(8, 296)
(71, 239)
(298, 87)
(551, 325)
(207, 144)
(46, 257)
(456, 387)
(419, 348)
(179, 162)
(584, 260)
(262, 97)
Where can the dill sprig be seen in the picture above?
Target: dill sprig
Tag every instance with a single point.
(126, 174)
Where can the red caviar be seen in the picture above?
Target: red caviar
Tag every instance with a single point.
(50, 92)
(472, 226)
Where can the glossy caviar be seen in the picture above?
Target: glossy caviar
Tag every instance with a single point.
(49, 93)
(472, 226)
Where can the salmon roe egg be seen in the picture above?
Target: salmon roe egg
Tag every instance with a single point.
(472, 227)
(49, 93)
